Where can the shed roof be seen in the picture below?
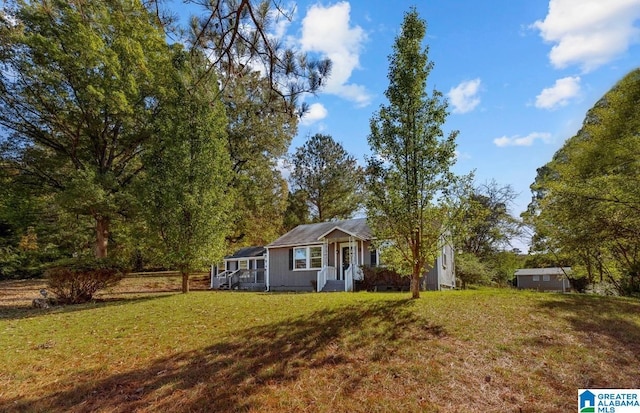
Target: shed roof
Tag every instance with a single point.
(247, 252)
(543, 271)
(313, 233)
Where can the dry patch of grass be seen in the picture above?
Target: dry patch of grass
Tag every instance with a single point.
(487, 350)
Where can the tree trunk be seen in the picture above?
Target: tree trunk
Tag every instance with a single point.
(102, 236)
(415, 285)
(185, 282)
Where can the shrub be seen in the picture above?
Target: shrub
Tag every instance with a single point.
(75, 281)
(383, 278)
(470, 270)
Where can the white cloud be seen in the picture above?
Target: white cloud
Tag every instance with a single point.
(522, 140)
(326, 30)
(464, 97)
(559, 94)
(461, 155)
(589, 33)
(316, 112)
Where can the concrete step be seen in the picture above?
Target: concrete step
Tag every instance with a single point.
(333, 285)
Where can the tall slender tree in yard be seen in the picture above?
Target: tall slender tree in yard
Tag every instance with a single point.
(329, 178)
(408, 175)
(188, 172)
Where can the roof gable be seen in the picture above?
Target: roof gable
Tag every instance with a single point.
(314, 233)
(248, 252)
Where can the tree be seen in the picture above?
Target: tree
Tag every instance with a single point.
(408, 176)
(188, 171)
(470, 270)
(586, 199)
(259, 131)
(487, 225)
(81, 83)
(297, 212)
(241, 37)
(329, 177)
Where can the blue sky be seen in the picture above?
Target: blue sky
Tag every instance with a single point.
(519, 74)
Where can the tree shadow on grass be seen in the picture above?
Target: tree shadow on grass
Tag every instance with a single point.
(228, 375)
(600, 318)
(16, 312)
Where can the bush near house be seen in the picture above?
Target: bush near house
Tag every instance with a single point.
(381, 279)
(76, 281)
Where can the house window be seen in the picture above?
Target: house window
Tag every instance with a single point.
(315, 254)
(545, 278)
(300, 258)
(444, 257)
(536, 278)
(306, 258)
(243, 264)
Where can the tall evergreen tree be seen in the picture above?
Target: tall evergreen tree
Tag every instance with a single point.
(408, 176)
(329, 177)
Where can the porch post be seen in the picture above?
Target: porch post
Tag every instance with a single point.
(325, 253)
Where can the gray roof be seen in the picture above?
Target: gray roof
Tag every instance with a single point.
(311, 233)
(248, 252)
(542, 271)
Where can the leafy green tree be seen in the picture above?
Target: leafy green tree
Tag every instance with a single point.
(188, 172)
(81, 84)
(488, 225)
(586, 199)
(409, 175)
(470, 270)
(259, 132)
(329, 177)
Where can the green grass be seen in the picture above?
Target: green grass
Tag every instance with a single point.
(482, 350)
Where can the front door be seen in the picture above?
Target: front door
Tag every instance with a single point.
(345, 259)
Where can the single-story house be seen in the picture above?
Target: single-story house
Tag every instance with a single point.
(543, 279)
(329, 256)
(244, 270)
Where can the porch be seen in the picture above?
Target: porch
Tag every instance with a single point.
(241, 279)
(343, 254)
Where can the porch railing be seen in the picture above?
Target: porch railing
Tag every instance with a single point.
(327, 273)
(233, 279)
(353, 272)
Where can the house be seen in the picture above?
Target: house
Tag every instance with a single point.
(328, 256)
(543, 279)
(244, 270)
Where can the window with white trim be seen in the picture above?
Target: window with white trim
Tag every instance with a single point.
(444, 257)
(243, 264)
(546, 278)
(536, 278)
(315, 257)
(307, 258)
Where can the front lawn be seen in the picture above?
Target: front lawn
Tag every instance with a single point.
(461, 351)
